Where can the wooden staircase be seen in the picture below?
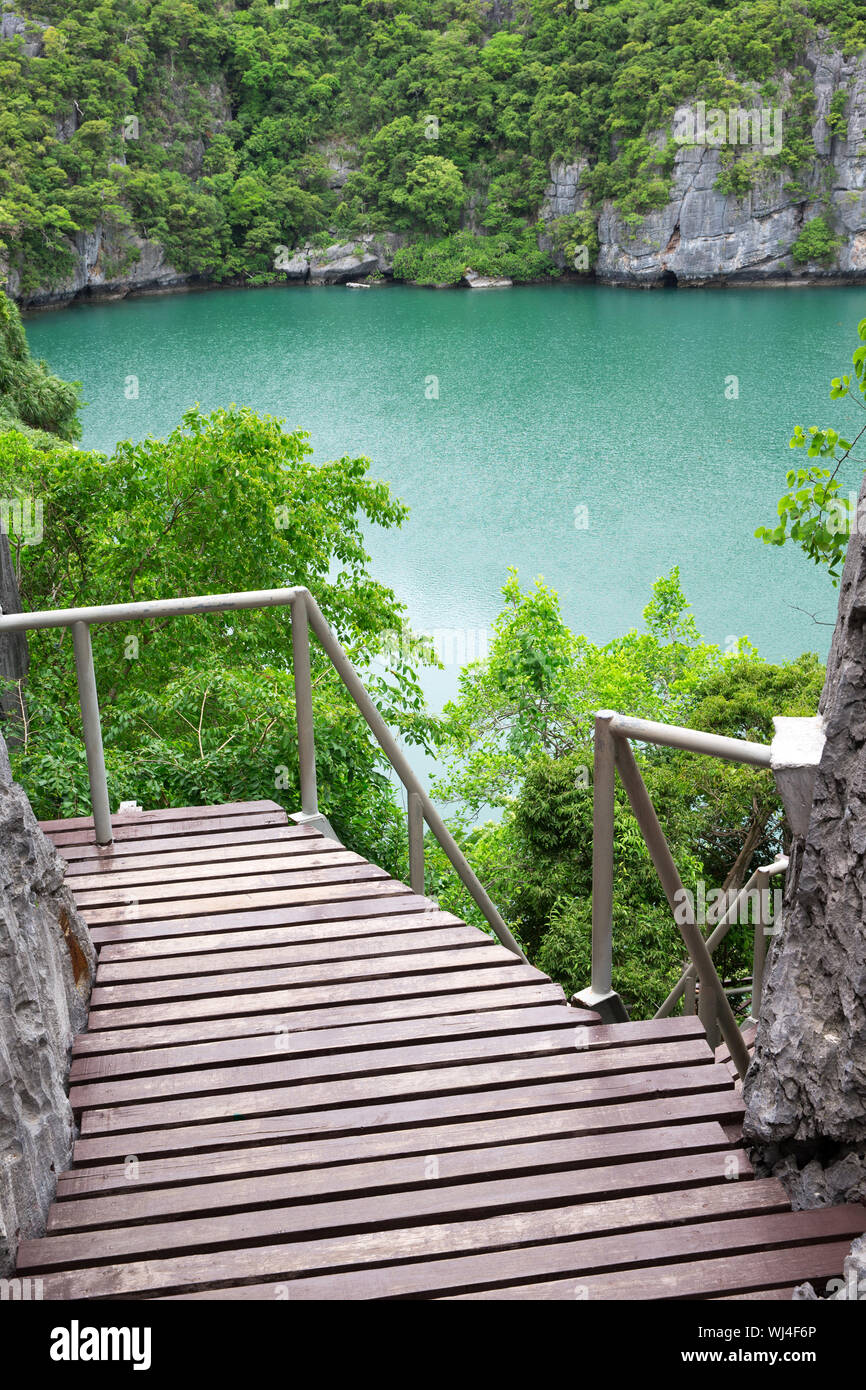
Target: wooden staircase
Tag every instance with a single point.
(300, 1080)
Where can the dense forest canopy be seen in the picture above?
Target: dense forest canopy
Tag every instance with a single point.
(204, 124)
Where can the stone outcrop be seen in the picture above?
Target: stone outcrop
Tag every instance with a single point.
(806, 1090)
(46, 968)
(350, 260)
(30, 30)
(340, 158)
(486, 282)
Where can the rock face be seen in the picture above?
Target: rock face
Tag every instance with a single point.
(46, 968)
(703, 236)
(341, 158)
(110, 263)
(806, 1090)
(30, 30)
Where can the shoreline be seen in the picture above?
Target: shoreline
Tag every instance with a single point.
(199, 285)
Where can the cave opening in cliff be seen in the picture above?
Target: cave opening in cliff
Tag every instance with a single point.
(668, 280)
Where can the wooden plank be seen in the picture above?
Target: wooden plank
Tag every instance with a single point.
(452, 1027)
(479, 953)
(362, 880)
(645, 1259)
(342, 904)
(284, 1087)
(164, 813)
(741, 1275)
(783, 1295)
(619, 1173)
(130, 832)
(275, 1113)
(340, 928)
(333, 868)
(506, 992)
(542, 1140)
(485, 1213)
(289, 954)
(94, 889)
(276, 1000)
(280, 844)
(427, 1061)
(705, 1091)
(94, 857)
(516, 1233)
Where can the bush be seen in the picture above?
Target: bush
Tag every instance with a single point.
(816, 242)
(445, 261)
(29, 394)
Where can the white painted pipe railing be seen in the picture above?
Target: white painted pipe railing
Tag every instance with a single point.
(306, 614)
(754, 892)
(613, 753)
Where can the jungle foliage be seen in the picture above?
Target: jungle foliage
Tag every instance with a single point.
(205, 124)
(519, 742)
(815, 513)
(200, 710)
(32, 399)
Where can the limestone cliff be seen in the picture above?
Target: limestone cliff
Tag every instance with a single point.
(46, 968)
(703, 236)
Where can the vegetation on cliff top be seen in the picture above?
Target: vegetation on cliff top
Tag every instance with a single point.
(204, 125)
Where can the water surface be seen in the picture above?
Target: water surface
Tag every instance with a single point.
(496, 414)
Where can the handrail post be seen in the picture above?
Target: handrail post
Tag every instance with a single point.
(671, 882)
(416, 844)
(601, 996)
(759, 955)
(708, 1014)
(304, 708)
(89, 701)
(344, 668)
(689, 996)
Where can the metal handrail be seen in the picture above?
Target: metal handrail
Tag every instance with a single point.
(306, 614)
(612, 754)
(757, 882)
(738, 750)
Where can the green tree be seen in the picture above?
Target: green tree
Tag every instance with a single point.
(30, 395)
(519, 741)
(814, 512)
(200, 710)
(816, 242)
(435, 193)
